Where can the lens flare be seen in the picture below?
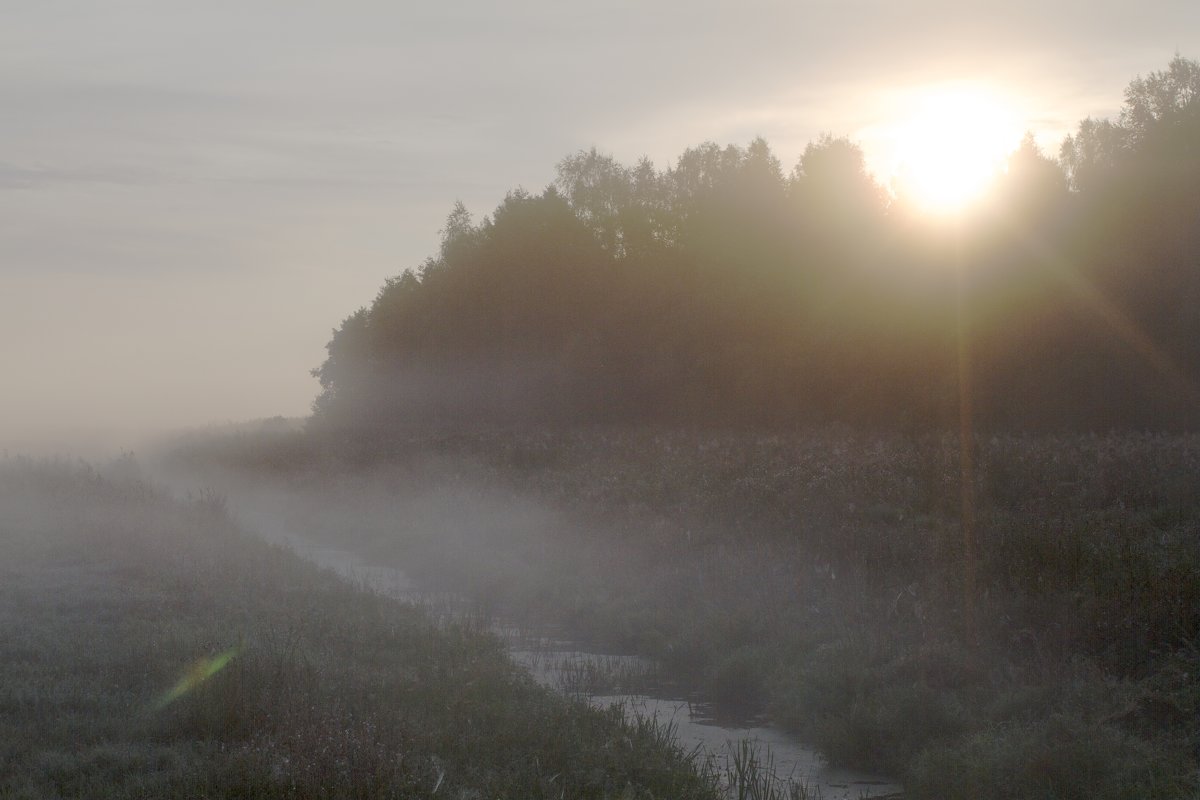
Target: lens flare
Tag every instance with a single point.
(197, 674)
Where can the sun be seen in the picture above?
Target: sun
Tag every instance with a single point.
(952, 147)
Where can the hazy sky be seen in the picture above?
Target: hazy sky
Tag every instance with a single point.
(192, 195)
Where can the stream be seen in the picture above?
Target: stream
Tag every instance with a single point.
(554, 661)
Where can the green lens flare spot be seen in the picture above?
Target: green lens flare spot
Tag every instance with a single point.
(197, 674)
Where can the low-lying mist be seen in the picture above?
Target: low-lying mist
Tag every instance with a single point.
(152, 647)
(816, 578)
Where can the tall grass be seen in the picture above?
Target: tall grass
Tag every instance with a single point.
(150, 648)
(819, 576)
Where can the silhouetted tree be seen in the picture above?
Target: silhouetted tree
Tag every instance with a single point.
(724, 290)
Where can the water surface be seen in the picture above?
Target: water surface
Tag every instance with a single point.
(566, 666)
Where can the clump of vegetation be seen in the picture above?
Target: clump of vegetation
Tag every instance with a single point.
(819, 577)
(149, 648)
(1064, 757)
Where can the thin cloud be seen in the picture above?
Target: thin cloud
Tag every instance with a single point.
(17, 176)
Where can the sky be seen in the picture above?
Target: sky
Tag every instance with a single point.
(193, 195)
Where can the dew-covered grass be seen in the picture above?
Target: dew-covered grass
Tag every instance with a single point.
(149, 648)
(819, 577)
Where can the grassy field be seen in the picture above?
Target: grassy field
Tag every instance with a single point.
(820, 577)
(151, 649)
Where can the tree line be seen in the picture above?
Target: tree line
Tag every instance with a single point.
(725, 290)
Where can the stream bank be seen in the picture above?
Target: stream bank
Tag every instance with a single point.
(553, 661)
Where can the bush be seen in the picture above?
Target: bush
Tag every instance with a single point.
(1060, 758)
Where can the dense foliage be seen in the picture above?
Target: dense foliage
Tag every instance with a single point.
(726, 290)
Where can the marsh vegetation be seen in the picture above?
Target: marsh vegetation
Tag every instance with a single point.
(150, 648)
(818, 579)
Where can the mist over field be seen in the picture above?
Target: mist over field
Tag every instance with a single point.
(786, 401)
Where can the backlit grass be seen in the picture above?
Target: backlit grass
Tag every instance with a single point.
(819, 577)
(151, 649)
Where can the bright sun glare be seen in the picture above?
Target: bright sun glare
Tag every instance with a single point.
(952, 148)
